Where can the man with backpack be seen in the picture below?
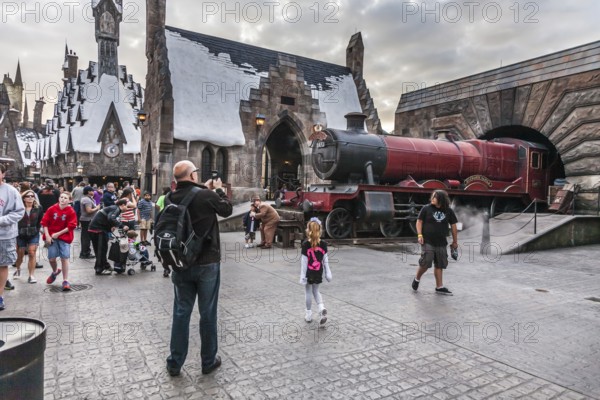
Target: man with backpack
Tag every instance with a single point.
(199, 275)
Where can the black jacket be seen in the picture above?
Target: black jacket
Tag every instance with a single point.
(106, 219)
(203, 211)
(247, 221)
(34, 219)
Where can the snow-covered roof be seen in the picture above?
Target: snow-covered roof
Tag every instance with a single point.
(210, 76)
(82, 107)
(27, 140)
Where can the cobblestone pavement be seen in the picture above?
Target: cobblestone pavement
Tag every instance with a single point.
(518, 326)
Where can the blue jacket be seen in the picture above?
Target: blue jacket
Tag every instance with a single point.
(247, 221)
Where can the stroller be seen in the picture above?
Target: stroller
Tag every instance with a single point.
(127, 255)
(138, 254)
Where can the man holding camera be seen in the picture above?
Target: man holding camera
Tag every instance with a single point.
(202, 278)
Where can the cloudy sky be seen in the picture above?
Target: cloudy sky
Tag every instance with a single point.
(407, 44)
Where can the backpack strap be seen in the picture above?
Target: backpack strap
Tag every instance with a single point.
(185, 202)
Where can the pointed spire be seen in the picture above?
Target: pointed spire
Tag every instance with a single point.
(18, 81)
(25, 114)
(66, 49)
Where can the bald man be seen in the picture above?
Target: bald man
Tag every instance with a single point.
(202, 279)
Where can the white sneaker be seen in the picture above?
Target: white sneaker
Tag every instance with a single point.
(247, 246)
(322, 314)
(32, 279)
(308, 316)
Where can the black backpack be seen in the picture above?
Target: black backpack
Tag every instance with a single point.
(176, 243)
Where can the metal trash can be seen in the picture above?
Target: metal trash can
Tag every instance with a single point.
(22, 346)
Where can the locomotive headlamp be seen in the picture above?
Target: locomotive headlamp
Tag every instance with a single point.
(260, 120)
(317, 128)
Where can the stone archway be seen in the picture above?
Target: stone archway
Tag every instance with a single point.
(282, 157)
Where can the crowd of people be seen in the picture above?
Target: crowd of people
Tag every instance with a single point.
(28, 211)
(24, 213)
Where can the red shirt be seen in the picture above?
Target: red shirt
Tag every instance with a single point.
(56, 220)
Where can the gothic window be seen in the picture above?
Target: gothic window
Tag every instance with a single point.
(4, 148)
(206, 164)
(222, 164)
(6, 132)
(27, 152)
(107, 23)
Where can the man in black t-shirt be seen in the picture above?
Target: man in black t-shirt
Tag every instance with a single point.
(432, 230)
(49, 195)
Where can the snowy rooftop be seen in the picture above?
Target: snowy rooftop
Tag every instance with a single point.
(211, 75)
(27, 141)
(83, 106)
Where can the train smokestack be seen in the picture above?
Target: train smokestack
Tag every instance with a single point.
(355, 121)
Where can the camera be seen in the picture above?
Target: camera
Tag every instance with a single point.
(214, 174)
(454, 253)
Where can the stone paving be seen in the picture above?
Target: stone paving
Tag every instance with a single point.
(518, 326)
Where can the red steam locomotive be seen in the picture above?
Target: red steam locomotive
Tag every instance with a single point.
(384, 180)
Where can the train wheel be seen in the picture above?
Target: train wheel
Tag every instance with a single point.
(339, 223)
(391, 228)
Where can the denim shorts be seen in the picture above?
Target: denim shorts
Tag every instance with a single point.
(58, 248)
(26, 241)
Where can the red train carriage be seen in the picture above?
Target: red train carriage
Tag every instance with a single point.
(383, 181)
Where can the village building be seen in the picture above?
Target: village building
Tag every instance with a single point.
(94, 134)
(18, 135)
(246, 112)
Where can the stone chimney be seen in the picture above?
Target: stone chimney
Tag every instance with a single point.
(37, 115)
(70, 67)
(156, 11)
(355, 53)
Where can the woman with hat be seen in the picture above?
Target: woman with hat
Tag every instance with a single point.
(269, 219)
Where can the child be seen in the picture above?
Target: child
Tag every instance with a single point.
(59, 222)
(131, 236)
(251, 224)
(145, 208)
(313, 261)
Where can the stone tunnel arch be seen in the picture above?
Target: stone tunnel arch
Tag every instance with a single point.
(531, 135)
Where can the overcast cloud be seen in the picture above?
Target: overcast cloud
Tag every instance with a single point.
(407, 44)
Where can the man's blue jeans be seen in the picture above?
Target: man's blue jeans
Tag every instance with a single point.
(203, 282)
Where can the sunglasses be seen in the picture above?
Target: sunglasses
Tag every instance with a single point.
(29, 195)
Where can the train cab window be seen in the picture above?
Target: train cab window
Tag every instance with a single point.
(522, 152)
(535, 160)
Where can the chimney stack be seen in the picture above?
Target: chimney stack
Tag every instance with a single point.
(37, 115)
(356, 122)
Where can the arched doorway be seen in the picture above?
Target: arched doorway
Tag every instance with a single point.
(281, 159)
